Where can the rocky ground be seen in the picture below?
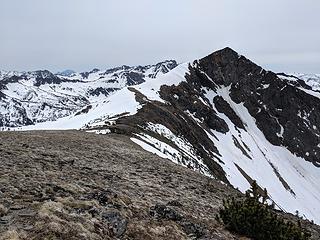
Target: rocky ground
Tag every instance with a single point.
(77, 185)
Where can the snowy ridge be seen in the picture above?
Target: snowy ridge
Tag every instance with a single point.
(312, 80)
(122, 102)
(183, 153)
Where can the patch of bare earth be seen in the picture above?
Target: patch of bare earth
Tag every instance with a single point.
(76, 185)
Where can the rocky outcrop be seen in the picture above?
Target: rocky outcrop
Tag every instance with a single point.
(286, 114)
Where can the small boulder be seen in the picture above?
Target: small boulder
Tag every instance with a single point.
(117, 223)
(160, 211)
(3, 210)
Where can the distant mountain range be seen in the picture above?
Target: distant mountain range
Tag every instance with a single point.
(66, 73)
(27, 98)
(221, 115)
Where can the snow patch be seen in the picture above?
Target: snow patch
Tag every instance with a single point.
(301, 176)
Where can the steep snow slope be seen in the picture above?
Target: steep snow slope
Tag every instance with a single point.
(227, 118)
(290, 180)
(122, 103)
(30, 97)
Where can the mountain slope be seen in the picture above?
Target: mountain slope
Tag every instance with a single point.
(227, 118)
(75, 185)
(105, 188)
(30, 97)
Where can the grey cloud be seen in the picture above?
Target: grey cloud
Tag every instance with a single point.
(82, 34)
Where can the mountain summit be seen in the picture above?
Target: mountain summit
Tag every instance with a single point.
(225, 117)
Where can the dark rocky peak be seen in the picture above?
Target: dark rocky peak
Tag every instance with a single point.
(112, 70)
(163, 67)
(44, 74)
(45, 77)
(141, 69)
(85, 75)
(166, 66)
(100, 90)
(226, 66)
(116, 69)
(94, 70)
(284, 112)
(12, 79)
(8, 74)
(134, 78)
(125, 67)
(225, 55)
(40, 76)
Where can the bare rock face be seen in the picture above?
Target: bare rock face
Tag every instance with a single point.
(223, 107)
(286, 114)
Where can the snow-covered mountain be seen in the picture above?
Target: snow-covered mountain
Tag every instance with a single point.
(30, 97)
(225, 117)
(66, 73)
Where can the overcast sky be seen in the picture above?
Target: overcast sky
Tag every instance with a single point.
(280, 35)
